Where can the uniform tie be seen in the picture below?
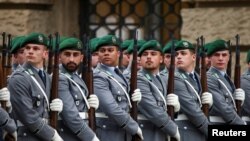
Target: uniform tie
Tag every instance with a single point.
(42, 76)
(194, 78)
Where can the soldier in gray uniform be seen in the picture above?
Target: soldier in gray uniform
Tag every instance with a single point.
(94, 52)
(245, 85)
(113, 120)
(222, 88)
(192, 122)
(30, 93)
(17, 51)
(73, 125)
(6, 123)
(153, 117)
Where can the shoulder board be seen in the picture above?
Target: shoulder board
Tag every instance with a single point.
(30, 72)
(215, 75)
(181, 75)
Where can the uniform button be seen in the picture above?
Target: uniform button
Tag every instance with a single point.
(39, 96)
(104, 126)
(61, 129)
(75, 96)
(24, 134)
(141, 125)
(119, 98)
(185, 127)
(118, 92)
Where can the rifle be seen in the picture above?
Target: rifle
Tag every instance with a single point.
(170, 86)
(50, 59)
(237, 72)
(205, 107)
(133, 84)
(197, 62)
(89, 83)
(84, 63)
(229, 66)
(55, 77)
(5, 70)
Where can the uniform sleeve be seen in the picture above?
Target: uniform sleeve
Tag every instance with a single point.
(21, 100)
(190, 106)
(70, 114)
(245, 85)
(220, 104)
(110, 107)
(149, 108)
(6, 123)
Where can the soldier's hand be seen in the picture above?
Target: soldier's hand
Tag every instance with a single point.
(56, 137)
(93, 101)
(136, 96)
(139, 133)
(239, 94)
(13, 135)
(95, 138)
(173, 100)
(207, 98)
(56, 105)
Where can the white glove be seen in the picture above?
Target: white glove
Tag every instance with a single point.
(136, 96)
(93, 101)
(139, 133)
(239, 94)
(56, 137)
(173, 100)
(56, 105)
(5, 96)
(177, 136)
(207, 98)
(95, 138)
(14, 135)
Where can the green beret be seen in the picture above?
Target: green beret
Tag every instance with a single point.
(167, 47)
(248, 56)
(16, 43)
(139, 45)
(182, 44)
(108, 40)
(217, 45)
(125, 44)
(35, 38)
(93, 44)
(150, 45)
(71, 43)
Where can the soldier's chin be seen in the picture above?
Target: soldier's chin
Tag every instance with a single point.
(71, 69)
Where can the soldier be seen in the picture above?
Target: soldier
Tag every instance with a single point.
(94, 52)
(29, 87)
(72, 90)
(153, 118)
(167, 55)
(126, 57)
(6, 123)
(114, 122)
(192, 122)
(222, 88)
(17, 50)
(245, 85)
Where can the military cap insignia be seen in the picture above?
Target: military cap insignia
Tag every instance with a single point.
(185, 44)
(114, 40)
(40, 38)
(79, 45)
(226, 45)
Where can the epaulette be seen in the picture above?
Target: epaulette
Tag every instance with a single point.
(215, 75)
(30, 72)
(148, 77)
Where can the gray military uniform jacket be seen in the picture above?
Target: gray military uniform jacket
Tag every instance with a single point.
(30, 105)
(192, 123)
(156, 124)
(114, 120)
(73, 125)
(223, 111)
(6, 123)
(245, 85)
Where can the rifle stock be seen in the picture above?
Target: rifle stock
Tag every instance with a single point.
(205, 107)
(50, 59)
(55, 77)
(133, 84)
(170, 86)
(237, 72)
(229, 66)
(197, 62)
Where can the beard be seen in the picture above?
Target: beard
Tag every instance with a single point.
(71, 66)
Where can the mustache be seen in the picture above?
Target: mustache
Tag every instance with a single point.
(70, 63)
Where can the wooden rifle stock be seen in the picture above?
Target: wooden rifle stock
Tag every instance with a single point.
(170, 86)
(133, 85)
(89, 83)
(55, 77)
(229, 66)
(50, 59)
(203, 74)
(197, 62)
(237, 72)
(85, 61)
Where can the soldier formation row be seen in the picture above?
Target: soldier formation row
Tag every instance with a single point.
(29, 90)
